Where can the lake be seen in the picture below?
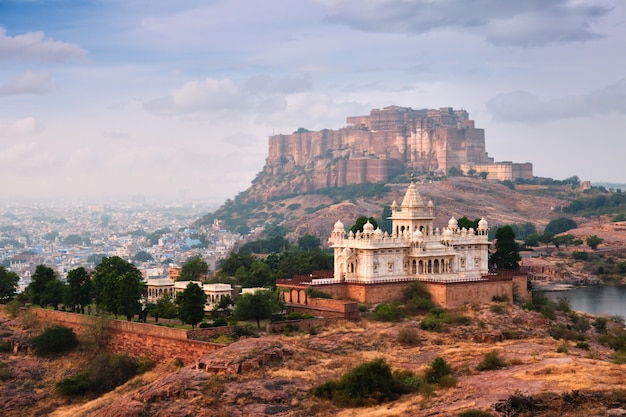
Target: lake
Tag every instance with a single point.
(610, 301)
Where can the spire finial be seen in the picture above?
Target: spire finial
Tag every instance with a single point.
(412, 178)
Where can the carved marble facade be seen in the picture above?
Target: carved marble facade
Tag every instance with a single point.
(415, 249)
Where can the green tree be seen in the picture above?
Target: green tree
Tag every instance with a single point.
(118, 286)
(55, 339)
(165, 307)
(438, 369)
(546, 238)
(256, 306)
(386, 224)
(560, 225)
(231, 264)
(564, 240)
(191, 304)
(143, 256)
(308, 242)
(506, 255)
(37, 287)
(79, 291)
(195, 269)
(8, 284)
(464, 222)
(594, 241)
(532, 240)
(361, 221)
(53, 294)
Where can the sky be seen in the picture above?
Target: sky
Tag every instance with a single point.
(176, 100)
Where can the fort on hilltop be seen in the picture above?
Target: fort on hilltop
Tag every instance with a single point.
(377, 147)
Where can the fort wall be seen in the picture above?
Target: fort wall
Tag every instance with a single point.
(160, 343)
(376, 147)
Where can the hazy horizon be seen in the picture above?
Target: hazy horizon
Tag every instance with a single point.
(175, 101)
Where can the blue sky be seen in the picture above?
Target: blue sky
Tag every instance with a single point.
(176, 100)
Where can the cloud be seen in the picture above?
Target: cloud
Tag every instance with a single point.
(31, 82)
(219, 96)
(521, 106)
(199, 96)
(502, 23)
(33, 46)
(21, 127)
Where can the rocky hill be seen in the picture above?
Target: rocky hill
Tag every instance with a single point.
(274, 374)
(316, 212)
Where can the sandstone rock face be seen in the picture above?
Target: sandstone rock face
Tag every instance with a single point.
(372, 149)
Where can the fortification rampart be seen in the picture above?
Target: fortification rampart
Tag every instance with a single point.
(160, 343)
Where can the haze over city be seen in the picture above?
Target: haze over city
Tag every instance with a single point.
(176, 100)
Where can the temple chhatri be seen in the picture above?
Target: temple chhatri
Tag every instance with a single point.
(373, 266)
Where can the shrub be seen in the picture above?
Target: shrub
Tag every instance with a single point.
(12, 308)
(55, 339)
(432, 324)
(204, 325)
(178, 362)
(294, 316)
(448, 381)
(437, 369)
(388, 312)
(497, 309)
(408, 337)
(580, 256)
(220, 322)
(315, 293)
(481, 324)
(475, 413)
(370, 382)
(241, 331)
(77, 384)
(600, 324)
(582, 345)
(406, 381)
(500, 298)
(108, 371)
(5, 372)
(308, 316)
(144, 364)
(563, 305)
(362, 308)
(491, 361)
(563, 348)
(458, 319)
(5, 347)
(417, 298)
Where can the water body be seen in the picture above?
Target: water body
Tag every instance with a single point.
(599, 301)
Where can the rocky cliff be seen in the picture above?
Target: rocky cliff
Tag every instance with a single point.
(370, 149)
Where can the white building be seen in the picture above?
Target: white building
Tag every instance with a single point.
(415, 250)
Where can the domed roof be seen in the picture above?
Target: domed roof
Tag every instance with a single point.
(448, 234)
(368, 227)
(482, 224)
(453, 223)
(339, 225)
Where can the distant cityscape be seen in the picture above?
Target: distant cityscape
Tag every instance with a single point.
(153, 236)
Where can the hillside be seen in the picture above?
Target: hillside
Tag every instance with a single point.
(316, 212)
(274, 373)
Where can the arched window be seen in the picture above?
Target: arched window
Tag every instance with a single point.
(421, 267)
(436, 266)
(414, 267)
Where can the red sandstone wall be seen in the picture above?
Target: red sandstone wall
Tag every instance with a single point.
(136, 339)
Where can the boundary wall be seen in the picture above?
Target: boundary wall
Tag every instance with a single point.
(162, 344)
